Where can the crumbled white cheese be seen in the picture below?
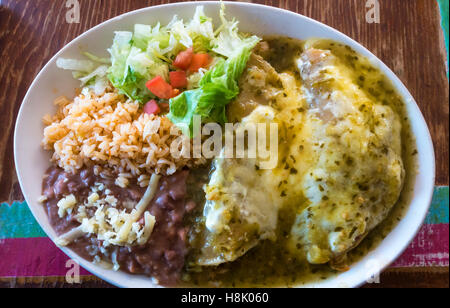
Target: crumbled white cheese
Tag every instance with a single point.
(112, 226)
(66, 205)
(122, 182)
(111, 200)
(42, 199)
(93, 197)
(98, 187)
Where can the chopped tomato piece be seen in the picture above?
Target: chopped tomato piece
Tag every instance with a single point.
(199, 60)
(160, 87)
(152, 107)
(178, 79)
(183, 59)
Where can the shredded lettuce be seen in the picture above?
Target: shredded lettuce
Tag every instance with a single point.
(76, 65)
(148, 51)
(97, 59)
(89, 72)
(122, 73)
(219, 85)
(201, 30)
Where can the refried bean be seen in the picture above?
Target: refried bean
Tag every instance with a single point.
(163, 257)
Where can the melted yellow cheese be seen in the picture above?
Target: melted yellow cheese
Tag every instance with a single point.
(351, 169)
(339, 167)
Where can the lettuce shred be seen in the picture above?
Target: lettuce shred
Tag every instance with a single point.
(148, 51)
(219, 85)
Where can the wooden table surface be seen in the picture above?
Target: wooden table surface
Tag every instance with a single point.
(408, 39)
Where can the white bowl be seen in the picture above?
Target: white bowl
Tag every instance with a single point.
(31, 161)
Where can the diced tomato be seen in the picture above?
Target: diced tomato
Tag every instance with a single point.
(178, 79)
(183, 59)
(199, 60)
(152, 107)
(160, 87)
